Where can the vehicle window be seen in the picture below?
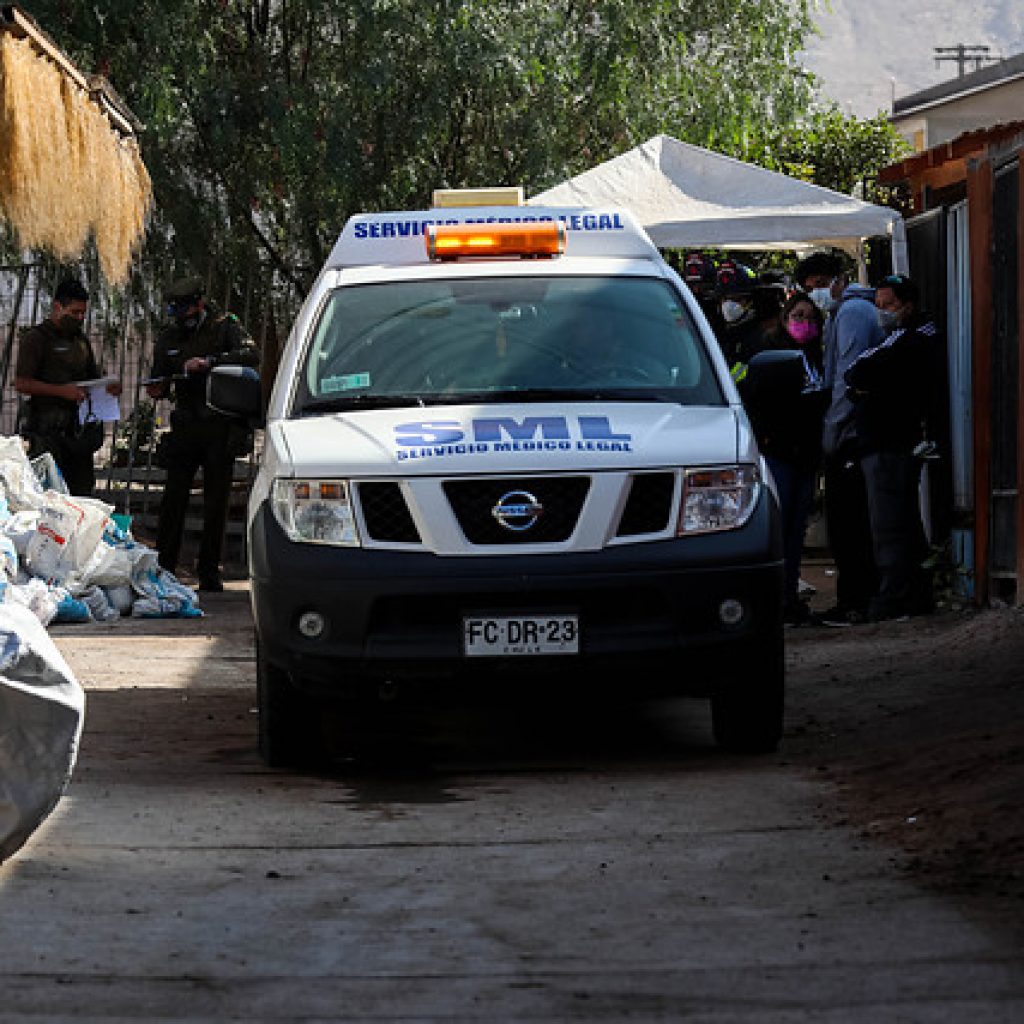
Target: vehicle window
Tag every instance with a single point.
(496, 338)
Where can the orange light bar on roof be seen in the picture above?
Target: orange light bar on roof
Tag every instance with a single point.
(451, 241)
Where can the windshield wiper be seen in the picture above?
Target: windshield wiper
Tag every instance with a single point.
(591, 394)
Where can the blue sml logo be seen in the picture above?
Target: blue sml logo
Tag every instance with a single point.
(431, 438)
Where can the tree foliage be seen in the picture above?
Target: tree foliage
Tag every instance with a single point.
(268, 122)
(839, 151)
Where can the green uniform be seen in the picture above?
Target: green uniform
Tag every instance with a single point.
(51, 424)
(199, 437)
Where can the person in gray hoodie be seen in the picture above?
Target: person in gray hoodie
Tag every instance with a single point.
(852, 330)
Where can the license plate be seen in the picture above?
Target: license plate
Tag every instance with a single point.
(503, 636)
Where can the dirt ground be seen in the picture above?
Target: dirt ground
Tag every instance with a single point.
(920, 727)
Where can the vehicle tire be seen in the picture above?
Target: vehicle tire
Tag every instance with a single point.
(747, 713)
(287, 732)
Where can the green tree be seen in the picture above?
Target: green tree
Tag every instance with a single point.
(268, 122)
(836, 150)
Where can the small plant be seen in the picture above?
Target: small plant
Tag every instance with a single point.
(135, 434)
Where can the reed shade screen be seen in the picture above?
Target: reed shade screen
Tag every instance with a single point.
(65, 173)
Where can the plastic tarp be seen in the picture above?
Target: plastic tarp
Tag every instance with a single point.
(688, 197)
(41, 712)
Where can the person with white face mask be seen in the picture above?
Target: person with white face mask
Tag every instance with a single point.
(824, 299)
(734, 310)
(748, 309)
(819, 276)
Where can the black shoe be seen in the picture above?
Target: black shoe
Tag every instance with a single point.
(840, 615)
(213, 583)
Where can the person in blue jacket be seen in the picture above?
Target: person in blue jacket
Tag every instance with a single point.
(852, 329)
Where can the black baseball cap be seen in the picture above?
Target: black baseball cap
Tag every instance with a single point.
(184, 289)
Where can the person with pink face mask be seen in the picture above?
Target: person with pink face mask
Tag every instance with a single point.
(788, 431)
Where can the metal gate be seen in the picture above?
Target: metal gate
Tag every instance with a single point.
(926, 244)
(1005, 377)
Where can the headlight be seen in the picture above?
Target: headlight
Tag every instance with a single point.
(718, 499)
(316, 511)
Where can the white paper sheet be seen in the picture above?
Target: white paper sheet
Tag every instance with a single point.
(100, 403)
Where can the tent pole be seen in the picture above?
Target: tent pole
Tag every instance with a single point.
(862, 263)
(900, 256)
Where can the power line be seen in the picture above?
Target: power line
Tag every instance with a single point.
(963, 55)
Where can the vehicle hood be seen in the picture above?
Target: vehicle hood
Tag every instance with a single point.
(484, 439)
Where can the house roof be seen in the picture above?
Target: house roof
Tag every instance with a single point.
(975, 81)
(956, 151)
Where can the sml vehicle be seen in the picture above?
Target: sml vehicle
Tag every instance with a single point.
(503, 446)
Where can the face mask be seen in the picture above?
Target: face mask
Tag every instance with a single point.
(822, 298)
(888, 319)
(802, 331)
(69, 326)
(189, 321)
(733, 311)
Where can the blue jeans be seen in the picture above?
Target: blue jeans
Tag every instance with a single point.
(795, 486)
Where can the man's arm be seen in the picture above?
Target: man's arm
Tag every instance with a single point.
(857, 331)
(30, 386)
(238, 347)
(159, 369)
(26, 373)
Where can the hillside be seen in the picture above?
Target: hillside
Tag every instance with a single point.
(870, 50)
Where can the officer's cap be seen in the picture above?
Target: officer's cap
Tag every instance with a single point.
(185, 289)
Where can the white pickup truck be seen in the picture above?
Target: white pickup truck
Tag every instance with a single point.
(502, 444)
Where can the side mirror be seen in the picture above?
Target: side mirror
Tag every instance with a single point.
(778, 372)
(236, 391)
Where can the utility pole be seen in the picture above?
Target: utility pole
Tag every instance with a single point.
(963, 55)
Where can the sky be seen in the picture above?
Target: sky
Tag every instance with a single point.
(870, 50)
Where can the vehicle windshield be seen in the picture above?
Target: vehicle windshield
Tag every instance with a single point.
(504, 339)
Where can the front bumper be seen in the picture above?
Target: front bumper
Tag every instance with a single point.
(648, 612)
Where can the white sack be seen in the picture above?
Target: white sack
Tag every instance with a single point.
(38, 597)
(8, 558)
(21, 528)
(161, 595)
(95, 599)
(111, 563)
(45, 468)
(69, 530)
(42, 707)
(120, 598)
(22, 486)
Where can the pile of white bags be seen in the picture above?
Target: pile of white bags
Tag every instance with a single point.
(66, 560)
(63, 559)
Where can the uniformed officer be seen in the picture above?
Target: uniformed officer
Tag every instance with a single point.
(54, 357)
(197, 340)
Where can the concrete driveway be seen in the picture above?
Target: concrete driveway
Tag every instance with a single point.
(593, 866)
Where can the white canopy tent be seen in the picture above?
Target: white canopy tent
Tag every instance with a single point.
(688, 197)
